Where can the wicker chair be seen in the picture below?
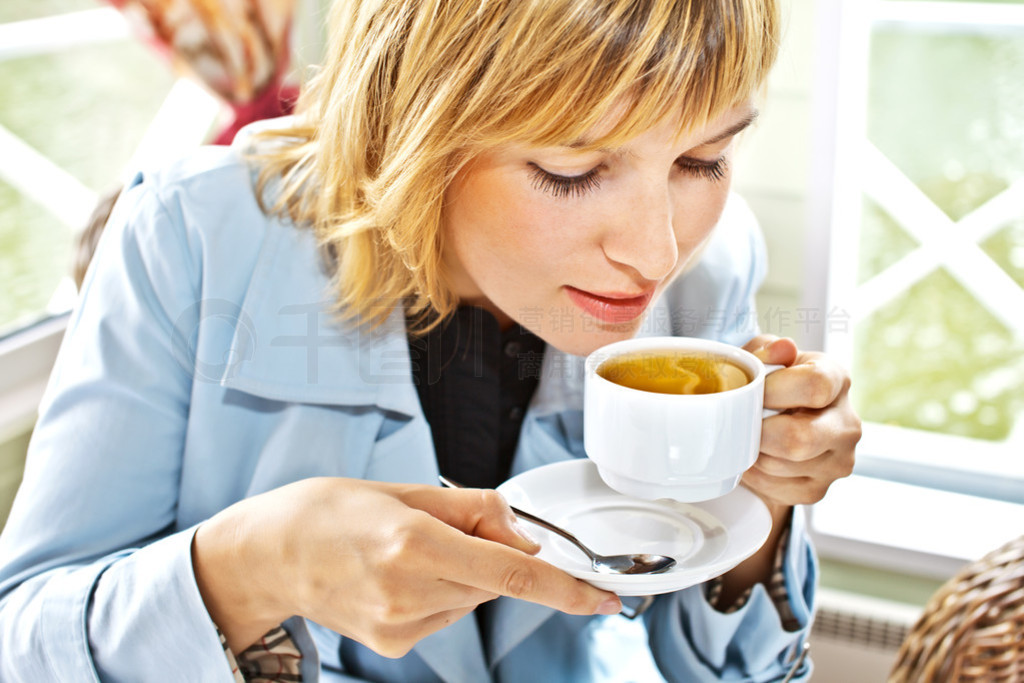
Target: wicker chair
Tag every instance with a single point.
(972, 629)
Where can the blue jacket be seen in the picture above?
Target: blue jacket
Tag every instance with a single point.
(202, 366)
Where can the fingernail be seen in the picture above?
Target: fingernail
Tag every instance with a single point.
(609, 607)
(523, 533)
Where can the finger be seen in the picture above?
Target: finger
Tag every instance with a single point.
(805, 434)
(786, 490)
(405, 597)
(477, 512)
(773, 350)
(800, 435)
(814, 382)
(447, 552)
(436, 622)
(439, 597)
(396, 640)
(829, 465)
(782, 467)
(497, 522)
(496, 568)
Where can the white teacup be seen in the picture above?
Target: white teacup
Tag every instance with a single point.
(688, 447)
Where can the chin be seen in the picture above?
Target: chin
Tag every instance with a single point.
(585, 343)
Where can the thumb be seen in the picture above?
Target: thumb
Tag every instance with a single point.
(508, 530)
(773, 350)
(478, 512)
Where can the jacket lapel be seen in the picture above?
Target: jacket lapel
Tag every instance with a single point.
(288, 347)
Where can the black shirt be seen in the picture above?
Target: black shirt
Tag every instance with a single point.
(475, 382)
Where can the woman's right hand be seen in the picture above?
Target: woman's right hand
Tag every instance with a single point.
(383, 564)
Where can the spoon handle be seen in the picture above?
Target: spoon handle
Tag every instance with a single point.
(551, 527)
(529, 517)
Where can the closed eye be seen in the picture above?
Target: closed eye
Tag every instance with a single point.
(713, 171)
(562, 186)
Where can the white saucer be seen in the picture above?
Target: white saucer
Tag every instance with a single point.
(706, 539)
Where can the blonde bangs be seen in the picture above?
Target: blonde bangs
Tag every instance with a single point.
(664, 59)
(412, 89)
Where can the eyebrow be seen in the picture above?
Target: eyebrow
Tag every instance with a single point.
(732, 130)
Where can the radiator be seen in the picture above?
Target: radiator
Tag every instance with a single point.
(855, 637)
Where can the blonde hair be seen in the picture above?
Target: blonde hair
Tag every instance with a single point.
(412, 89)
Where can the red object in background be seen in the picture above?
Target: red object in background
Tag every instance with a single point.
(277, 99)
(238, 50)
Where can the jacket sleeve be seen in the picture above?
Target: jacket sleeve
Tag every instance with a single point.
(691, 641)
(96, 581)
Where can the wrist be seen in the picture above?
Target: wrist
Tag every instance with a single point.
(758, 567)
(231, 583)
(781, 515)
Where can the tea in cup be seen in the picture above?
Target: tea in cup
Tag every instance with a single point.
(673, 417)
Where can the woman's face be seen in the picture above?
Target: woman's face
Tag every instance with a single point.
(575, 245)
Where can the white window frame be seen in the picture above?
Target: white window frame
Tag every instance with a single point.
(917, 501)
(858, 519)
(184, 120)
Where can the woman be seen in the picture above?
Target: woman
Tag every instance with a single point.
(279, 346)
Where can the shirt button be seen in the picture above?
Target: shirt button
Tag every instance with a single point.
(512, 349)
(515, 414)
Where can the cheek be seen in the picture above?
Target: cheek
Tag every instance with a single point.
(696, 214)
(497, 229)
(502, 213)
(476, 214)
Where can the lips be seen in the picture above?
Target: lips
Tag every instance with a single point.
(611, 307)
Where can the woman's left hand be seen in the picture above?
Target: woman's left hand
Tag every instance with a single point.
(811, 444)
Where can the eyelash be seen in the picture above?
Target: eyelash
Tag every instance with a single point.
(561, 186)
(708, 170)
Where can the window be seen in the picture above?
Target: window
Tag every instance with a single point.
(84, 100)
(924, 202)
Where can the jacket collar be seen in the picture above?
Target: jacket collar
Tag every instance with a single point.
(288, 346)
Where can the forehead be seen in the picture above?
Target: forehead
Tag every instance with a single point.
(605, 136)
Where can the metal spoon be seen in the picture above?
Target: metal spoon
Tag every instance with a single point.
(640, 563)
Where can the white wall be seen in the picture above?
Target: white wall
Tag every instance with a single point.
(772, 169)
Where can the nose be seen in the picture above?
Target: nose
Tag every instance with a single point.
(641, 234)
